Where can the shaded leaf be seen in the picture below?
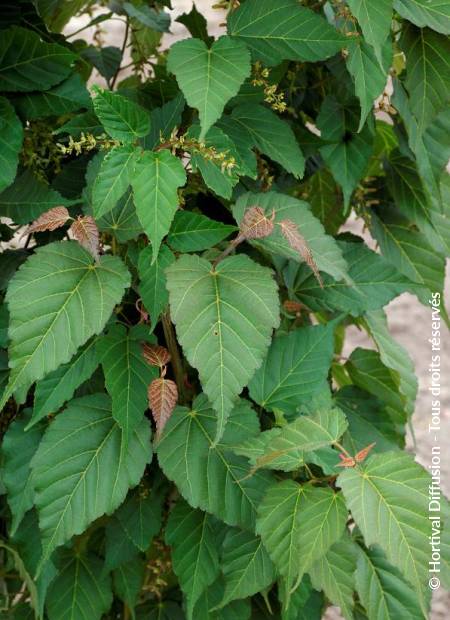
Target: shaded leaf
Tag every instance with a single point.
(11, 136)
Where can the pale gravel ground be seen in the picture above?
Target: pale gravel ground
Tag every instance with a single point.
(409, 321)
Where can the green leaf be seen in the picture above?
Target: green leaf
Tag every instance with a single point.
(325, 200)
(27, 63)
(156, 20)
(119, 548)
(346, 152)
(427, 72)
(59, 386)
(163, 120)
(86, 122)
(122, 221)
(105, 59)
(372, 283)
(326, 252)
(79, 590)
(11, 136)
(81, 447)
(207, 604)
(70, 298)
(432, 13)
(24, 576)
(127, 375)
(383, 591)
(304, 604)
(193, 232)
(27, 198)
(243, 144)
(196, 24)
(334, 574)
(246, 566)
(286, 449)
(296, 367)
(17, 450)
(298, 524)
(269, 134)
(113, 179)
(207, 474)
(128, 579)
(368, 421)
(409, 250)
(192, 536)
(152, 286)
(66, 97)
(388, 498)
(369, 77)
(208, 78)
(286, 31)
(140, 516)
(224, 319)
(375, 21)
(155, 181)
(394, 356)
(122, 118)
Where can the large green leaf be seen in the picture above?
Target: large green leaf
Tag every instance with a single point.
(409, 250)
(432, 13)
(224, 319)
(369, 77)
(375, 21)
(59, 386)
(152, 286)
(113, 179)
(163, 120)
(298, 524)
(270, 135)
(140, 516)
(27, 198)
(373, 282)
(246, 566)
(296, 367)
(80, 589)
(394, 356)
(82, 447)
(334, 574)
(11, 136)
(127, 374)
(427, 72)
(383, 591)
(128, 579)
(68, 96)
(206, 608)
(17, 450)
(122, 118)
(207, 474)
(288, 447)
(191, 533)
(155, 182)
(325, 199)
(208, 78)
(27, 63)
(122, 221)
(326, 252)
(119, 548)
(285, 31)
(193, 232)
(69, 297)
(388, 498)
(156, 20)
(304, 604)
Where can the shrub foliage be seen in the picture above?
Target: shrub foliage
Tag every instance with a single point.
(182, 434)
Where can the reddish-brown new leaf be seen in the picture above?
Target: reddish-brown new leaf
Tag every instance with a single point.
(346, 461)
(162, 398)
(362, 454)
(85, 231)
(255, 224)
(50, 220)
(292, 306)
(291, 233)
(155, 355)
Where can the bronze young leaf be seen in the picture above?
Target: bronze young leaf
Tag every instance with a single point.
(255, 224)
(85, 231)
(155, 355)
(298, 243)
(50, 220)
(162, 398)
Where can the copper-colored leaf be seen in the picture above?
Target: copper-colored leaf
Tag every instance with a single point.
(85, 231)
(291, 233)
(346, 461)
(361, 455)
(255, 224)
(293, 307)
(155, 355)
(162, 398)
(50, 220)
